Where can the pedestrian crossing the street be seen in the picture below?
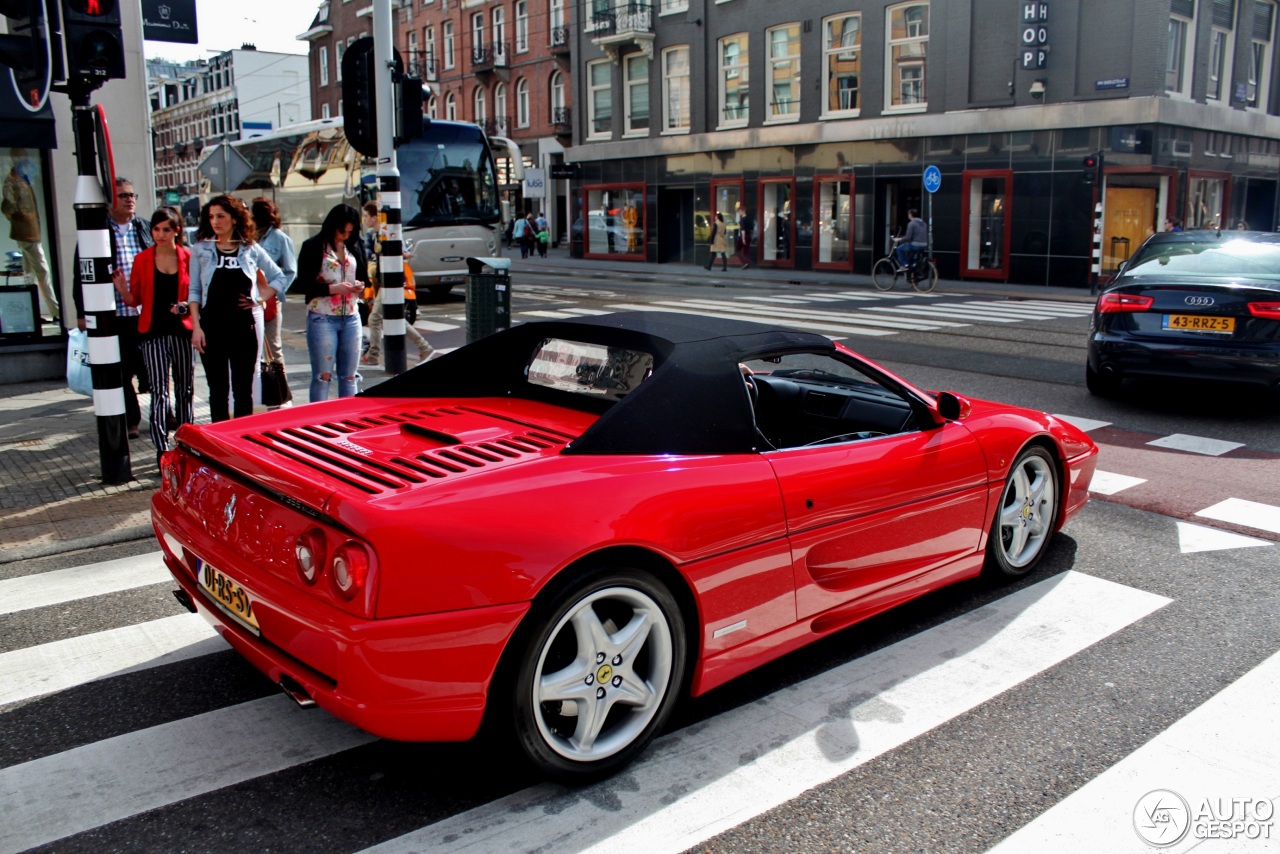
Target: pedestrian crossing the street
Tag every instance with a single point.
(163, 785)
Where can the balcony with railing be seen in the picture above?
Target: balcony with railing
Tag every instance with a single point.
(617, 27)
(422, 65)
(559, 41)
(497, 126)
(562, 120)
(488, 57)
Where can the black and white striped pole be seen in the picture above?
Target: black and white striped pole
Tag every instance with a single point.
(391, 260)
(93, 243)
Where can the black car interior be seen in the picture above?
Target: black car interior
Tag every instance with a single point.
(795, 408)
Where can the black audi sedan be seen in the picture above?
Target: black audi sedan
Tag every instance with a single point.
(1201, 305)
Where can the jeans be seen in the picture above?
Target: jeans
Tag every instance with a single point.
(907, 252)
(230, 358)
(334, 344)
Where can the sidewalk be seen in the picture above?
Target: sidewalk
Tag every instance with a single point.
(52, 499)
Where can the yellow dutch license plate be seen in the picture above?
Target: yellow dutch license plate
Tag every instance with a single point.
(229, 596)
(1199, 323)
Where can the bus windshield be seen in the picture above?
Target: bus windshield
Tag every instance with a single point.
(448, 178)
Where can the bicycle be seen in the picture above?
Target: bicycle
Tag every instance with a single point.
(921, 274)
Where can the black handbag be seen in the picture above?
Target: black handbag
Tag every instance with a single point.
(275, 385)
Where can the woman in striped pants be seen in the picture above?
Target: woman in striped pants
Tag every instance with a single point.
(159, 283)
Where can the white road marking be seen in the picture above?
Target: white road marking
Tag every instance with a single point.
(1226, 748)
(1251, 514)
(552, 315)
(780, 313)
(789, 300)
(693, 784)
(1109, 483)
(943, 311)
(1195, 444)
(431, 326)
(51, 798)
(1061, 309)
(57, 666)
(697, 312)
(1197, 538)
(1085, 424)
(81, 582)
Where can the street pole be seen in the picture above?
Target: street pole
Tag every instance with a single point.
(391, 262)
(93, 244)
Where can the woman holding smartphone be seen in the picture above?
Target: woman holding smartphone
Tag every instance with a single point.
(333, 271)
(159, 283)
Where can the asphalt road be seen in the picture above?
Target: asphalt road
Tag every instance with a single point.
(1156, 615)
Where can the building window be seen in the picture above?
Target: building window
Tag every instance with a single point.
(479, 105)
(556, 10)
(499, 30)
(908, 40)
(784, 72)
(522, 26)
(599, 99)
(429, 47)
(433, 108)
(324, 66)
(450, 108)
(1260, 54)
(1220, 49)
(324, 111)
(675, 89)
(412, 43)
(500, 109)
(522, 102)
(673, 6)
(1177, 76)
(446, 33)
(734, 84)
(842, 50)
(637, 94)
(557, 97)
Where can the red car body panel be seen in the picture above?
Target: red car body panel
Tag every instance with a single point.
(470, 507)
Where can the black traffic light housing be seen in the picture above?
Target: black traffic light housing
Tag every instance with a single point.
(94, 42)
(1092, 166)
(31, 49)
(359, 101)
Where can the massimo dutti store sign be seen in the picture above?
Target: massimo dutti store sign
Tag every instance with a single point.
(169, 21)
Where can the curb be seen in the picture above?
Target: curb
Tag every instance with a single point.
(57, 547)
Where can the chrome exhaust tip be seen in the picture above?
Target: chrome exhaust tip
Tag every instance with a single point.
(296, 692)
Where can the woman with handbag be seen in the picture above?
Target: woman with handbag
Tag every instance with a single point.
(333, 271)
(719, 243)
(159, 283)
(231, 276)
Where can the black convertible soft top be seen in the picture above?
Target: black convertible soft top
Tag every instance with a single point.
(694, 403)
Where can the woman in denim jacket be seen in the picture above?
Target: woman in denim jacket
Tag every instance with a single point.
(231, 275)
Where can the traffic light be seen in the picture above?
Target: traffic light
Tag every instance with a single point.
(1092, 165)
(94, 42)
(409, 95)
(27, 50)
(359, 104)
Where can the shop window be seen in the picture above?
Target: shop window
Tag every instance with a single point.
(615, 220)
(784, 73)
(29, 290)
(832, 238)
(908, 41)
(675, 89)
(726, 200)
(734, 84)
(1204, 202)
(842, 51)
(776, 227)
(987, 223)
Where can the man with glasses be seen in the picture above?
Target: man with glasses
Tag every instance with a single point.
(130, 234)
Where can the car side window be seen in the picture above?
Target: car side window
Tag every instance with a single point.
(806, 399)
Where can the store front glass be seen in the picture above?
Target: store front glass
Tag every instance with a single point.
(615, 221)
(833, 247)
(987, 223)
(777, 223)
(29, 304)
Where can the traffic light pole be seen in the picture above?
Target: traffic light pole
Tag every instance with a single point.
(391, 263)
(93, 243)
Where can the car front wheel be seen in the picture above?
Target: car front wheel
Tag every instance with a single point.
(600, 676)
(1024, 521)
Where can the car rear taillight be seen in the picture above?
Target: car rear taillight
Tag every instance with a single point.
(1111, 303)
(350, 569)
(309, 555)
(1269, 310)
(170, 474)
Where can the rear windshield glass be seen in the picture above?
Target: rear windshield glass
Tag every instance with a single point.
(1209, 257)
(593, 370)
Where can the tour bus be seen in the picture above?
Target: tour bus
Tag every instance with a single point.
(450, 207)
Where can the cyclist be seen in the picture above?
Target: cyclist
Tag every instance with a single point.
(916, 239)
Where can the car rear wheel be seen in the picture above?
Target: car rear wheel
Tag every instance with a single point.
(600, 675)
(1024, 521)
(1101, 384)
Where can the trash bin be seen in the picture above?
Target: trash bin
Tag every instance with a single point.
(488, 296)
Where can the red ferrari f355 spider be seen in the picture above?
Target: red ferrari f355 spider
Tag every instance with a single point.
(570, 524)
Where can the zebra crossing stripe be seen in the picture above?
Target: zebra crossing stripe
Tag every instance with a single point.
(1226, 748)
(784, 300)
(57, 666)
(939, 311)
(780, 314)
(430, 326)
(1019, 308)
(51, 798)
(81, 582)
(824, 328)
(684, 790)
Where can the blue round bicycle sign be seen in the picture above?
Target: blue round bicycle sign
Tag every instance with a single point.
(932, 178)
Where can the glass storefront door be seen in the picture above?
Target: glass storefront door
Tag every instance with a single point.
(987, 223)
(833, 243)
(777, 224)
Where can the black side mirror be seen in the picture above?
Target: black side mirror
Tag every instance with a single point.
(952, 407)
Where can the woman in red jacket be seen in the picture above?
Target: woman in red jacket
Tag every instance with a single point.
(159, 283)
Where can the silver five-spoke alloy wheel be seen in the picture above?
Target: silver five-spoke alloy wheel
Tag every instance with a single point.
(1028, 510)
